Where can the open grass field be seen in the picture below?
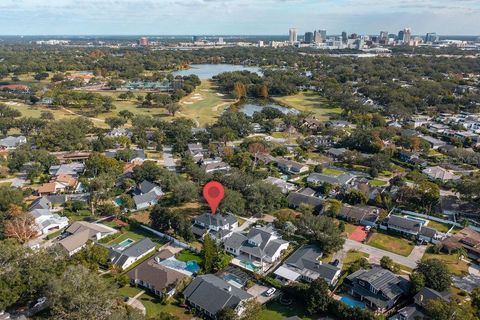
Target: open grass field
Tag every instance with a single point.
(331, 172)
(391, 243)
(455, 266)
(353, 256)
(310, 102)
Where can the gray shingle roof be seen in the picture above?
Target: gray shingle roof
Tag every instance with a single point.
(119, 255)
(296, 199)
(217, 220)
(213, 294)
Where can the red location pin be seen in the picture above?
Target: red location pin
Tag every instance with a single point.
(213, 192)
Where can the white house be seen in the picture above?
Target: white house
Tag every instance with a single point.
(46, 221)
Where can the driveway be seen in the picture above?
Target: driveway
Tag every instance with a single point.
(377, 254)
(258, 292)
(168, 160)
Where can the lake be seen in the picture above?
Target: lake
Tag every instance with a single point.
(250, 108)
(208, 71)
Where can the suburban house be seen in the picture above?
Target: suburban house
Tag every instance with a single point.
(433, 142)
(361, 214)
(411, 158)
(210, 294)
(379, 288)
(285, 186)
(336, 153)
(467, 239)
(80, 232)
(214, 165)
(146, 195)
(218, 226)
(11, 142)
(73, 169)
(46, 221)
(410, 227)
(342, 180)
(415, 311)
(137, 154)
(258, 249)
(124, 255)
(119, 132)
(439, 173)
(48, 202)
(156, 278)
(305, 198)
(47, 189)
(291, 167)
(196, 151)
(305, 265)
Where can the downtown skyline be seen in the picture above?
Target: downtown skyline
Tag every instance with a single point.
(247, 17)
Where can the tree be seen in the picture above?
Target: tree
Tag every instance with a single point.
(418, 282)
(98, 164)
(80, 294)
(126, 114)
(226, 314)
(209, 252)
(239, 90)
(475, 296)
(322, 230)
(355, 196)
(184, 191)
(436, 274)
(263, 91)
(173, 108)
(233, 202)
(252, 310)
(115, 122)
(255, 149)
(20, 225)
(438, 309)
(333, 207)
(317, 297)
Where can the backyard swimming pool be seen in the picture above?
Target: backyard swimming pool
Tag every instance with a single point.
(189, 266)
(236, 280)
(249, 265)
(352, 303)
(125, 243)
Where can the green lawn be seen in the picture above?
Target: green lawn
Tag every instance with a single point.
(377, 183)
(349, 228)
(187, 255)
(353, 256)
(332, 172)
(135, 234)
(129, 291)
(310, 102)
(441, 227)
(155, 308)
(455, 266)
(277, 311)
(394, 244)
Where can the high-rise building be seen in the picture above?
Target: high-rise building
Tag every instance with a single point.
(317, 37)
(407, 35)
(323, 33)
(431, 37)
(308, 37)
(401, 36)
(143, 41)
(344, 37)
(293, 35)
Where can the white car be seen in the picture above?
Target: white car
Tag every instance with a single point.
(367, 228)
(270, 292)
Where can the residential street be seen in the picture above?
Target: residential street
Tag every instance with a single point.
(376, 254)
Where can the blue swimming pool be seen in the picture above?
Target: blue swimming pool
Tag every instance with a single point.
(352, 303)
(125, 243)
(192, 266)
(234, 278)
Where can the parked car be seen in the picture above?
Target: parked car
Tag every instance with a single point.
(368, 228)
(270, 292)
(335, 262)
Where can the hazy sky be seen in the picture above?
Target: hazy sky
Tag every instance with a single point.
(161, 17)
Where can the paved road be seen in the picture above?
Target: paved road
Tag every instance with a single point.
(377, 254)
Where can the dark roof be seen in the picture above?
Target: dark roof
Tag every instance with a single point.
(388, 285)
(297, 199)
(146, 186)
(359, 213)
(322, 178)
(213, 294)
(305, 253)
(157, 276)
(40, 203)
(404, 223)
(118, 255)
(217, 220)
(427, 294)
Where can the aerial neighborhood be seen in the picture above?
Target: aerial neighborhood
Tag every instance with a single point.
(350, 183)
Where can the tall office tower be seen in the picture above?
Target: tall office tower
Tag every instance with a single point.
(323, 33)
(308, 37)
(143, 41)
(317, 37)
(407, 35)
(401, 36)
(431, 37)
(293, 35)
(344, 37)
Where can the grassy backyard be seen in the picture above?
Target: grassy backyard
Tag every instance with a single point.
(376, 183)
(155, 308)
(332, 172)
(391, 243)
(455, 266)
(187, 255)
(353, 256)
(310, 102)
(276, 311)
